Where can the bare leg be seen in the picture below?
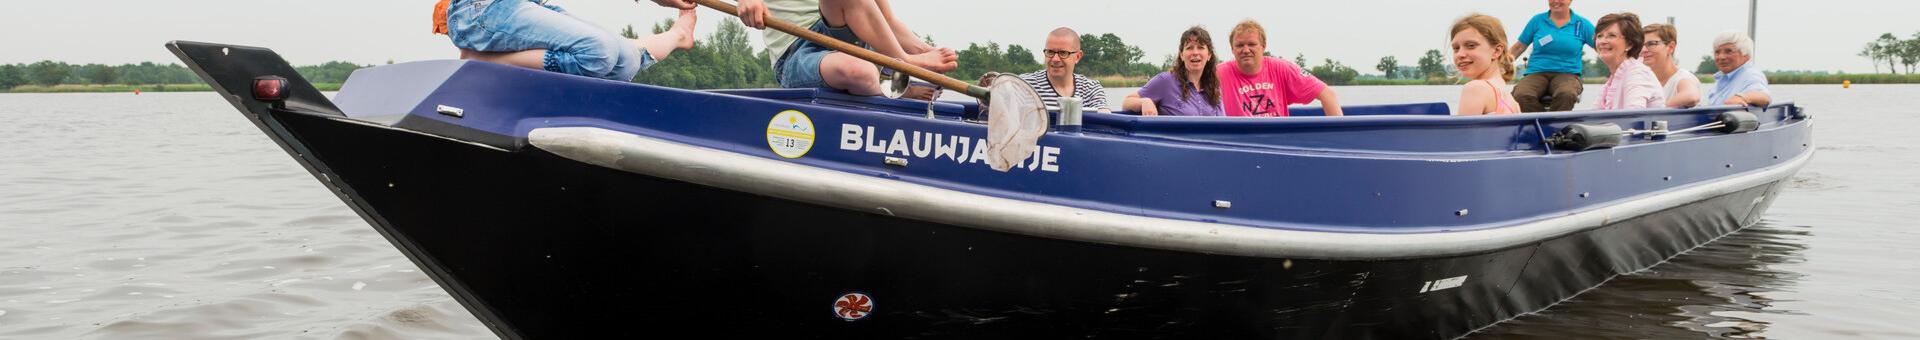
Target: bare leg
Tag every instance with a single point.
(679, 37)
(909, 41)
(533, 59)
(872, 26)
(845, 72)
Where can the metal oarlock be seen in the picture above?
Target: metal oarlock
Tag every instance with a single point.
(1070, 111)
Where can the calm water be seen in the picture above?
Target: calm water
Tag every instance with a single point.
(168, 215)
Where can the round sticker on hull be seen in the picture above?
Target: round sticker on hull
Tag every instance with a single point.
(853, 306)
(790, 134)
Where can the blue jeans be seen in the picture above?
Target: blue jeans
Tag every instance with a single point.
(800, 66)
(573, 46)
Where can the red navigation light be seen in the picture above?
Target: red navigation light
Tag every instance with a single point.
(270, 88)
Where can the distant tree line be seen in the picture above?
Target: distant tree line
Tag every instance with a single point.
(727, 59)
(977, 60)
(1432, 66)
(51, 73)
(1103, 55)
(724, 60)
(1897, 53)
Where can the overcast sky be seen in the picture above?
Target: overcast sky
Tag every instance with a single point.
(1793, 35)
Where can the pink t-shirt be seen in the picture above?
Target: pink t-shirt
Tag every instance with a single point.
(1267, 93)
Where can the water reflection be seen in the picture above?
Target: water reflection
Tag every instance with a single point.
(1701, 294)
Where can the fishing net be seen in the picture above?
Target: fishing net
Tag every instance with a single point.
(1016, 117)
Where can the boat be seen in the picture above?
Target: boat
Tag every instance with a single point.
(554, 206)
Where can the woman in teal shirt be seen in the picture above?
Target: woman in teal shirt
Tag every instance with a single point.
(1559, 36)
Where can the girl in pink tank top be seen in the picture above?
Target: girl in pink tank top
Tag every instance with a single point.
(1480, 54)
(1502, 101)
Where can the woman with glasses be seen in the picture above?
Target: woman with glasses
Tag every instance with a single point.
(1631, 85)
(1682, 87)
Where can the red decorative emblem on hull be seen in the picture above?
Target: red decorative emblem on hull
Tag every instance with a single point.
(853, 306)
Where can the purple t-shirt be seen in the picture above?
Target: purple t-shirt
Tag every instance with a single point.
(1164, 90)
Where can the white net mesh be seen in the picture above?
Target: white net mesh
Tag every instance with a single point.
(1016, 117)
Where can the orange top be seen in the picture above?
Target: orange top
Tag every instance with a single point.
(440, 17)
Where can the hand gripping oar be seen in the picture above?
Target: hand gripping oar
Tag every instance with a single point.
(1016, 115)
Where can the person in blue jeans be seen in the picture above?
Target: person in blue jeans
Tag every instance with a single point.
(1560, 35)
(537, 35)
(799, 63)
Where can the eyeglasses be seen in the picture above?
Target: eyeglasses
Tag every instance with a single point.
(1652, 43)
(1059, 53)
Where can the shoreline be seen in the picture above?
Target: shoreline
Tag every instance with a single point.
(1105, 81)
(119, 88)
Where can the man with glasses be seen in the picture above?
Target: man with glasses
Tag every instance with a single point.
(1057, 80)
(1737, 83)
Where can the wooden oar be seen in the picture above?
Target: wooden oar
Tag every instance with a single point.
(856, 51)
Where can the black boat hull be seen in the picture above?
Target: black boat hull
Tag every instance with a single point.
(550, 247)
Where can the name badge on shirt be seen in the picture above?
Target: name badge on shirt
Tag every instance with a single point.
(1546, 40)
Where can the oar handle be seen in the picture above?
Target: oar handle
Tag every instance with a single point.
(856, 51)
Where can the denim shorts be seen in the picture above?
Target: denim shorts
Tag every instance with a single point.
(574, 46)
(800, 66)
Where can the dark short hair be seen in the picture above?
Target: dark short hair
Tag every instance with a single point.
(1629, 29)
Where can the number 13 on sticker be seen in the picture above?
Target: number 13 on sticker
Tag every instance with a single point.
(790, 134)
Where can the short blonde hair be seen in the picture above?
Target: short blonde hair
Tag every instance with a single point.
(1665, 31)
(1248, 26)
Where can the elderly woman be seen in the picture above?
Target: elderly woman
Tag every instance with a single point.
(1482, 59)
(1190, 88)
(1738, 82)
(1555, 67)
(1631, 85)
(1682, 87)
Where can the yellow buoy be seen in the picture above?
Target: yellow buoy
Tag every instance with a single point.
(1846, 84)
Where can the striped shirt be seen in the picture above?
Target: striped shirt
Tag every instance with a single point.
(1092, 96)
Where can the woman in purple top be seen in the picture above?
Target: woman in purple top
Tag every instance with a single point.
(1189, 89)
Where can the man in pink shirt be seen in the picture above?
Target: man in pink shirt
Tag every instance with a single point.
(1261, 86)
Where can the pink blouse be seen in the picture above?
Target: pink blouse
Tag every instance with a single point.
(1632, 86)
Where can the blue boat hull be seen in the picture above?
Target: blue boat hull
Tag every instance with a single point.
(539, 241)
(582, 251)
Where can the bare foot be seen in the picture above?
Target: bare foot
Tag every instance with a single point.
(921, 91)
(683, 28)
(942, 60)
